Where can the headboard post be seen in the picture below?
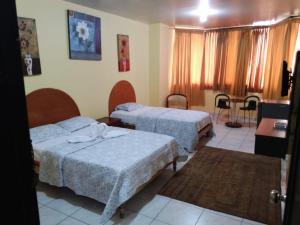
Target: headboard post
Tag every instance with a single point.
(49, 105)
(121, 92)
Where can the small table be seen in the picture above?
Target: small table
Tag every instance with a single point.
(270, 141)
(110, 121)
(234, 123)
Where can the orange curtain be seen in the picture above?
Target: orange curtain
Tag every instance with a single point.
(257, 62)
(187, 65)
(281, 46)
(232, 60)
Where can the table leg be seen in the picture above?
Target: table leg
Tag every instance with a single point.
(234, 123)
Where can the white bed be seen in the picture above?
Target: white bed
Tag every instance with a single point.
(183, 125)
(109, 170)
(107, 164)
(186, 126)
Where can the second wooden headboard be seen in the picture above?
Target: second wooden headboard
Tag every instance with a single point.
(49, 105)
(122, 92)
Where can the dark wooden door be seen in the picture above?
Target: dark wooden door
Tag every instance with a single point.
(292, 208)
(19, 196)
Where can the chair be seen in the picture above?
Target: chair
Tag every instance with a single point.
(178, 101)
(222, 101)
(250, 104)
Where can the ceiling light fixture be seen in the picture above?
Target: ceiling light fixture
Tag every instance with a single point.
(204, 11)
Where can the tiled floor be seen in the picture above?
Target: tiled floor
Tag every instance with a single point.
(62, 206)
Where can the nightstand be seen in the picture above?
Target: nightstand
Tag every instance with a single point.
(110, 121)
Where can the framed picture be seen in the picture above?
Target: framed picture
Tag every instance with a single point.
(31, 64)
(123, 53)
(84, 36)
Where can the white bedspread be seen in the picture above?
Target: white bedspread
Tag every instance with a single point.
(108, 170)
(183, 125)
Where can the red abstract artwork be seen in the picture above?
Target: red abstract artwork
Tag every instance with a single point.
(123, 53)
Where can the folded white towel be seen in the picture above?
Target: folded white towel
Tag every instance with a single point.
(97, 129)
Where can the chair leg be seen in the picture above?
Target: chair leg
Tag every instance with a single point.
(244, 116)
(249, 117)
(218, 115)
(214, 112)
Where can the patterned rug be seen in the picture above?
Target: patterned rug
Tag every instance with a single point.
(232, 182)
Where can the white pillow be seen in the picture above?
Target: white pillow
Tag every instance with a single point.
(46, 132)
(76, 123)
(129, 106)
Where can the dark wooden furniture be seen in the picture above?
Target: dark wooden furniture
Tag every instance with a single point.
(49, 105)
(122, 92)
(270, 141)
(115, 122)
(276, 109)
(178, 101)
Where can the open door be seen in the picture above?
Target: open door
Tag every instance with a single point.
(292, 208)
(19, 196)
(292, 197)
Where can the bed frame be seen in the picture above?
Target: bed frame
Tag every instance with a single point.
(49, 105)
(123, 92)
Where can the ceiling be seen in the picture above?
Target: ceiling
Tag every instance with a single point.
(178, 12)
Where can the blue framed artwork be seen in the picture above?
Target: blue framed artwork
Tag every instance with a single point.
(84, 36)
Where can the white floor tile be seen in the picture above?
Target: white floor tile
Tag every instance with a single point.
(224, 214)
(130, 219)
(209, 218)
(90, 216)
(64, 206)
(147, 205)
(71, 221)
(157, 222)
(250, 222)
(50, 217)
(180, 213)
(44, 197)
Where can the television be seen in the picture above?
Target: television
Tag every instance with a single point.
(285, 85)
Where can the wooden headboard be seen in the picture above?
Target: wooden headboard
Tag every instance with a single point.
(121, 92)
(49, 105)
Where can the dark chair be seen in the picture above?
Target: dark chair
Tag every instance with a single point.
(178, 101)
(250, 104)
(222, 101)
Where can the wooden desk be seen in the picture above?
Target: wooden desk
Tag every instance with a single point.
(276, 109)
(270, 141)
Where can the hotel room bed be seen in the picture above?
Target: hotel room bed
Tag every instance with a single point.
(186, 126)
(108, 168)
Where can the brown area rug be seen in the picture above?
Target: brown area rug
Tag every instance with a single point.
(231, 182)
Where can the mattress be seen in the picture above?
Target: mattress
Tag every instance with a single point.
(183, 125)
(201, 118)
(109, 170)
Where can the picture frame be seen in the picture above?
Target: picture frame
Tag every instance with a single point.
(31, 64)
(123, 53)
(84, 33)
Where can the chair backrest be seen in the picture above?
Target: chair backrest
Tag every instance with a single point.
(221, 100)
(252, 102)
(178, 101)
(252, 105)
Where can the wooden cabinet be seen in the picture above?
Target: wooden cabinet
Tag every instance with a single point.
(110, 121)
(115, 122)
(275, 109)
(270, 141)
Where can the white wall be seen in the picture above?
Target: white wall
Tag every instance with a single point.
(161, 43)
(88, 82)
